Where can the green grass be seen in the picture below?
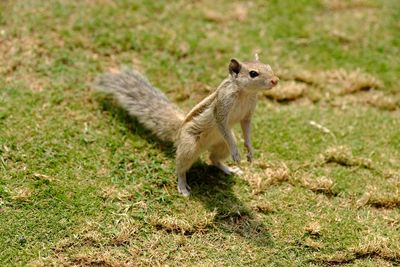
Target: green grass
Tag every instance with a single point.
(82, 183)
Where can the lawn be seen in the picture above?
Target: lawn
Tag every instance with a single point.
(84, 184)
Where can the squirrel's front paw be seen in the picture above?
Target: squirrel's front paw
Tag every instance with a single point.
(249, 151)
(250, 156)
(236, 156)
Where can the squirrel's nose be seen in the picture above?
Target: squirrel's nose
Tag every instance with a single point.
(275, 80)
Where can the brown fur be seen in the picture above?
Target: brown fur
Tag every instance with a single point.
(208, 125)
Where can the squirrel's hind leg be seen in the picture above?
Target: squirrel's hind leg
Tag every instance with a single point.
(183, 187)
(187, 153)
(218, 153)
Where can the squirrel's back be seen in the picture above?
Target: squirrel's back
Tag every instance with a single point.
(148, 104)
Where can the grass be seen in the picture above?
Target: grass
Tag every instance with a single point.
(82, 183)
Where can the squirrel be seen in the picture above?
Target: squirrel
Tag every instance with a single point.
(208, 125)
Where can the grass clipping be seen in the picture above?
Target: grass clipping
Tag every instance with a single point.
(323, 185)
(288, 91)
(266, 176)
(330, 84)
(352, 82)
(339, 81)
(343, 155)
(379, 200)
(374, 249)
(172, 224)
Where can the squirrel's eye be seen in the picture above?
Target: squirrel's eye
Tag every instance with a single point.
(253, 74)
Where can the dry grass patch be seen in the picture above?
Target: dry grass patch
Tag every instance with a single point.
(102, 258)
(88, 236)
(312, 243)
(387, 201)
(339, 81)
(343, 155)
(21, 194)
(165, 250)
(125, 232)
(268, 175)
(262, 206)
(277, 174)
(313, 228)
(44, 177)
(333, 259)
(319, 185)
(371, 98)
(22, 53)
(171, 224)
(349, 82)
(381, 101)
(379, 249)
(90, 247)
(238, 12)
(87, 257)
(114, 193)
(288, 91)
(340, 5)
(333, 85)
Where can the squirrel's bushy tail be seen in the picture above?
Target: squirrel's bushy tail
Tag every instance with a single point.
(149, 105)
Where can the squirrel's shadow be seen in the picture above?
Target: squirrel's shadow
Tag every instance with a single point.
(108, 104)
(215, 190)
(209, 185)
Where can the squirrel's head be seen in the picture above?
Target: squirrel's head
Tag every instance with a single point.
(252, 75)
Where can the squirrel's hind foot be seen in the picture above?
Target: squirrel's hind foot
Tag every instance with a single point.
(183, 187)
(228, 170)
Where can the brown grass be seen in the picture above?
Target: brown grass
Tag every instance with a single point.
(170, 224)
(268, 175)
(319, 185)
(89, 235)
(333, 259)
(22, 53)
(349, 82)
(87, 257)
(339, 81)
(343, 155)
(288, 91)
(339, 87)
(340, 5)
(306, 77)
(91, 247)
(313, 228)
(382, 101)
(312, 243)
(336, 87)
(103, 258)
(115, 193)
(262, 206)
(126, 231)
(372, 98)
(239, 11)
(388, 201)
(21, 194)
(379, 249)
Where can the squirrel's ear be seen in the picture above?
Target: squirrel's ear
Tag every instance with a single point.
(256, 57)
(234, 67)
